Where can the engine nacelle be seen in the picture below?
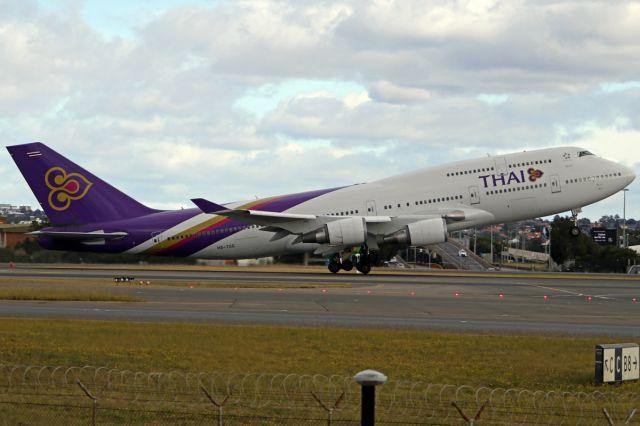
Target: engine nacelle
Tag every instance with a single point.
(351, 232)
(421, 233)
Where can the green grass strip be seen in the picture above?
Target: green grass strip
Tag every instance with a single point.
(32, 293)
(533, 362)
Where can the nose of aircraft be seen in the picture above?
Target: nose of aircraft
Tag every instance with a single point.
(629, 174)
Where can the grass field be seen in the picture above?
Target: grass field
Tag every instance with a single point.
(495, 361)
(30, 293)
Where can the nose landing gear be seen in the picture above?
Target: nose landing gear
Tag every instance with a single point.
(575, 231)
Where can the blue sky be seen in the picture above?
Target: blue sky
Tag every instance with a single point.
(230, 100)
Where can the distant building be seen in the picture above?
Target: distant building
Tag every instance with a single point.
(10, 234)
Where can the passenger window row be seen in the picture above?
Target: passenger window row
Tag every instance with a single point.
(529, 163)
(517, 189)
(592, 178)
(470, 172)
(428, 201)
(346, 213)
(216, 231)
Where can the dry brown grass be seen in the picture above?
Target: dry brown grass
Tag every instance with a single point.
(477, 360)
(33, 293)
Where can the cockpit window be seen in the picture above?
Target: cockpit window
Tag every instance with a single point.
(583, 153)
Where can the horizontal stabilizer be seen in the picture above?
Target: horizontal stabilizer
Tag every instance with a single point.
(79, 236)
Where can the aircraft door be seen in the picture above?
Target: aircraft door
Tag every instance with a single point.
(474, 195)
(156, 236)
(371, 208)
(555, 184)
(501, 166)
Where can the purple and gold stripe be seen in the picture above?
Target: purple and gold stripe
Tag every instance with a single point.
(198, 237)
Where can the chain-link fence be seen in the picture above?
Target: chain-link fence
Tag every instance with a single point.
(98, 395)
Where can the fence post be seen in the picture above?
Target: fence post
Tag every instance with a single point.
(219, 405)
(93, 398)
(610, 420)
(329, 410)
(470, 421)
(369, 379)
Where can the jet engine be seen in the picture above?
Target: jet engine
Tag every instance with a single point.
(421, 233)
(350, 231)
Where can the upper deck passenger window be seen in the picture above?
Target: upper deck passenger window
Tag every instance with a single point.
(583, 153)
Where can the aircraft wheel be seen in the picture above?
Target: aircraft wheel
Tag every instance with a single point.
(374, 257)
(364, 267)
(334, 267)
(575, 231)
(347, 265)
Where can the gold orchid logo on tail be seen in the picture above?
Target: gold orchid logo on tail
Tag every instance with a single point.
(65, 187)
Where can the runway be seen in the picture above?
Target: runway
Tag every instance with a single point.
(514, 303)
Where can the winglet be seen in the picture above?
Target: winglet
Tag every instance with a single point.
(207, 206)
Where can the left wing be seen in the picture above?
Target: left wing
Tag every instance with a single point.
(336, 233)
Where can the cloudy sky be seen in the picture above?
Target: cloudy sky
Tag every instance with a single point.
(229, 100)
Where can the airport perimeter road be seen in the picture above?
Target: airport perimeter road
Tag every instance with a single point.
(505, 303)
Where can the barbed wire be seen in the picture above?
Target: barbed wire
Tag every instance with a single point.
(270, 392)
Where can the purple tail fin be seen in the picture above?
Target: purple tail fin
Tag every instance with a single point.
(68, 194)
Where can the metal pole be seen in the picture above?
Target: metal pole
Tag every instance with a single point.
(475, 240)
(369, 379)
(93, 398)
(492, 258)
(368, 411)
(624, 218)
(218, 405)
(550, 249)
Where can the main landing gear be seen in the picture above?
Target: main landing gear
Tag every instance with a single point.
(362, 261)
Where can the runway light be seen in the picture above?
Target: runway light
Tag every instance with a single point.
(589, 298)
(501, 295)
(324, 290)
(456, 294)
(368, 291)
(634, 300)
(190, 286)
(546, 297)
(279, 289)
(148, 282)
(413, 293)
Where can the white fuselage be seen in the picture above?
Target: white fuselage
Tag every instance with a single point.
(508, 187)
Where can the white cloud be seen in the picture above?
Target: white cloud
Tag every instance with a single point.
(386, 91)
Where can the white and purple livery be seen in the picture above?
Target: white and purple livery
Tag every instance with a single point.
(418, 208)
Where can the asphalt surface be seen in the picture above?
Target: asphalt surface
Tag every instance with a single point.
(524, 303)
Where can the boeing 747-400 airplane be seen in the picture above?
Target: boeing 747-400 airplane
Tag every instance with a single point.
(417, 208)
